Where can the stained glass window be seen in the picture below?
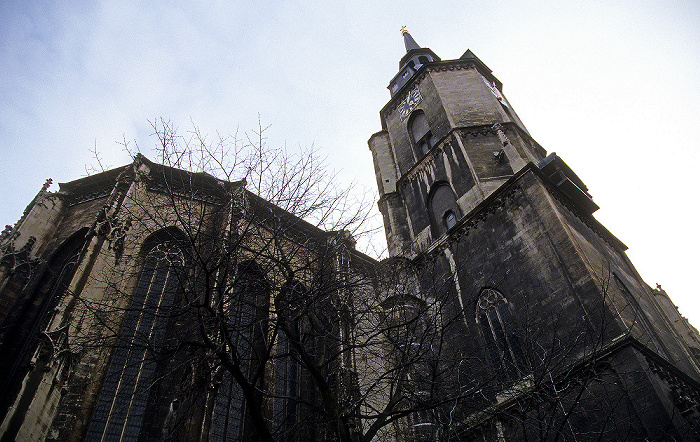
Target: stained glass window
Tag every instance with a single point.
(247, 309)
(121, 405)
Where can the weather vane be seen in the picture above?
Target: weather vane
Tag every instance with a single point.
(404, 30)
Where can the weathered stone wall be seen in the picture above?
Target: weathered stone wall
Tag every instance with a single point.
(557, 270)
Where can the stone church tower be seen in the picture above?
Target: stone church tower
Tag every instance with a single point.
(554, 332)
(148, 302)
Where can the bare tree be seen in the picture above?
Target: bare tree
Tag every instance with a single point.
(218, 295)
(221, 294)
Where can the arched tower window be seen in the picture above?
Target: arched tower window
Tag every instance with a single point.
(444, 212)
(421, 136)
(121, 405)
(503, 342)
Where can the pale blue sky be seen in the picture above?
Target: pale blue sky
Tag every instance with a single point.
(612, 87)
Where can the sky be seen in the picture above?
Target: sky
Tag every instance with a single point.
(612, 87)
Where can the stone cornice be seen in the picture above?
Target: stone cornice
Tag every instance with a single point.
(504, 195)
(586, 218)
(424, 162)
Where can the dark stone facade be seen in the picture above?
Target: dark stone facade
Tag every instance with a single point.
(559, 335)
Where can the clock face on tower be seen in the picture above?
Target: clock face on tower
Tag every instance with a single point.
(409, 104)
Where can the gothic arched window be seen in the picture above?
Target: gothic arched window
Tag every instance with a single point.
(29, 313)
(444, 212)
(286, 388)
(247, 307)
(420, 133)
(121, 405)
(503, 342)
(294, 325)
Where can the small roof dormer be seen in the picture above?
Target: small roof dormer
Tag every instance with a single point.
(411, 62)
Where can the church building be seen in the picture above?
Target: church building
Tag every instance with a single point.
(149, 302)
(558, 335)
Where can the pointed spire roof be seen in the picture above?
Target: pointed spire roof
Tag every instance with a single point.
(412, 61)
(408, 41)
(412, 48)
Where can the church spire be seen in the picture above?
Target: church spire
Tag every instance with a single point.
(408, 41)
(411, 62)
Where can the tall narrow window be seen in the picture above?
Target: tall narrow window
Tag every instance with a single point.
(286, 389)
(121, 405)
(293, 324)
(503, 342)
(247, 307)
(227, 419)
(420, 132)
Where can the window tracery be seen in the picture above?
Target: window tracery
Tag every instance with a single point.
(503, 342)
(247, 308)
(121, 405)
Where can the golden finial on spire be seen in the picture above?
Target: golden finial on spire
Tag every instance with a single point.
(404, 30)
